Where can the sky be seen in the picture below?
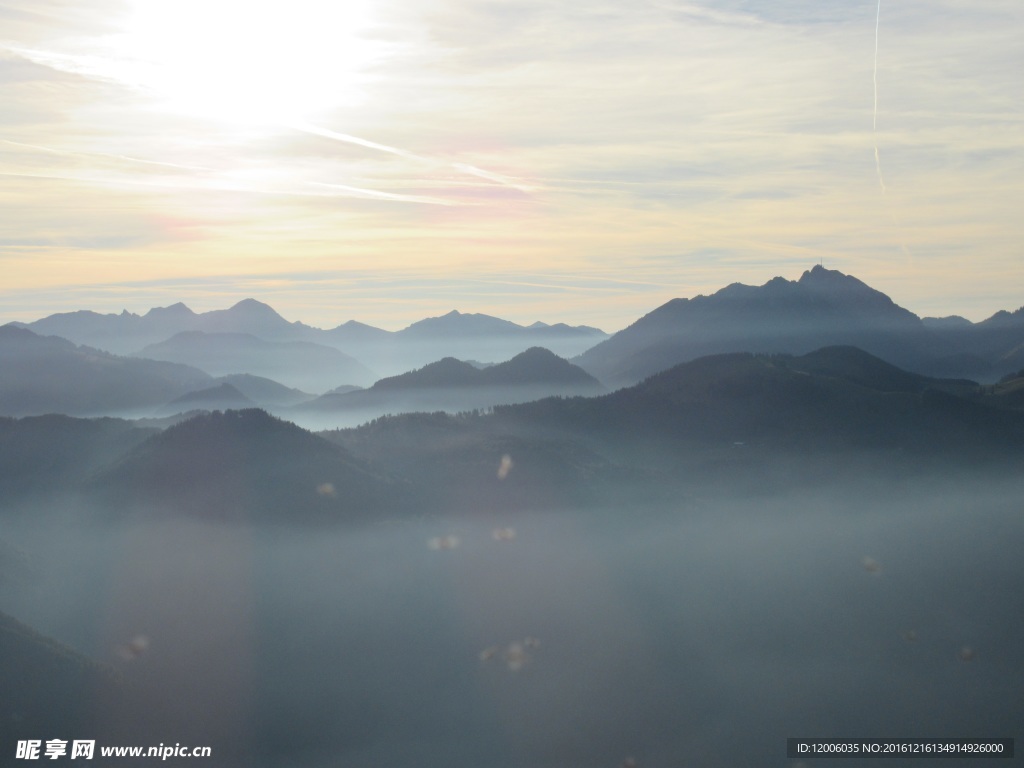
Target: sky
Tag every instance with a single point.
(578, 162)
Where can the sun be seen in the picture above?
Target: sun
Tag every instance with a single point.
(248, 61)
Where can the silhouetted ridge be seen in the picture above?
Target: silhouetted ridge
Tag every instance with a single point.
(246, 463)
(534, 366)
(461, 323)
(47, 455)
(858, 366)
(447, 372)
(48, 687)
(224, 394)
(824, 307)
(537, 365)
(835, 398)
(46, 374)
(175, 312)
(296, 363)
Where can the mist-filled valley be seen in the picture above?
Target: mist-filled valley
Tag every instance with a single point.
(708, 629)
(536, 561)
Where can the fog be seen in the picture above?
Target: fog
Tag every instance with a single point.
(702, 633)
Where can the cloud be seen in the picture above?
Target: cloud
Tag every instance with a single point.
(575, 137)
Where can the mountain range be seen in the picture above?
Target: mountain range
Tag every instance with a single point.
(46, 374)
(456, 334)
(824, 307)
(298, 364)
(696, 423)
(729, 420)
(455, 385)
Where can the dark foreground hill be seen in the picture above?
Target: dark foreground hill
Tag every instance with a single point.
(247, 465)
(723, 418)
(834, 398)
(720, 419)
(42, 457)
(48, 690)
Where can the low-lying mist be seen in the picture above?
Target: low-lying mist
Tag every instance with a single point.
(704, 633)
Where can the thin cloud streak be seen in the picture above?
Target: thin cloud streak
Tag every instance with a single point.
(463, 167)
(103, 155)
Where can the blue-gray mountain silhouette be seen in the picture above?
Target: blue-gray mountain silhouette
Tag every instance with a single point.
(46, 374)
(454, 385)
(824, 307)
(299, 364)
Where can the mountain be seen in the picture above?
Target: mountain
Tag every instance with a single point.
(535, 366)
(246, 465)
(454, 385)
(221, 397)
(442, 374)
(470, 464)
(299, 364)
(824, 307)
(45, 374)
(127, 332)
(266, 392)
(1008, 392)
(539, 366)
(47, 689)
(47, 455)
(739, 421)
(464, 325)
(354, 333)
(833, 399)
(459, 335)
(456, 334)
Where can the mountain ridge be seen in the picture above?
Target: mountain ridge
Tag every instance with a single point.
(822, 308)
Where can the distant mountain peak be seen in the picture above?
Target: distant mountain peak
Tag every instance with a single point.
(820, 276)
(818, 272)
(463, 323)
(252, 307)
(446, 372)
(824, 307)
(224, 393)
(174, 310)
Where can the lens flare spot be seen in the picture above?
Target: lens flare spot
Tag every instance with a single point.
(444, 542)
(134, 648)
(503, 534)
(505, 466)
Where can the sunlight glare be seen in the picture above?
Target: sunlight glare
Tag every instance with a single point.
(252, 63)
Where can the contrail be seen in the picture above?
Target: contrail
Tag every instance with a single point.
(874, 130)
(127, 158)
(463, 167)
(350, 139)
(874, 113)
(374, 193)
